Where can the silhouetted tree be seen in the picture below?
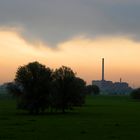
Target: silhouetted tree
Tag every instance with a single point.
(34, 85)
(79, 92)
(92, 89)
(38, 88)
(135, 94)
(68, 90)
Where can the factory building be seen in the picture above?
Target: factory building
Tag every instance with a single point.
(109, 87)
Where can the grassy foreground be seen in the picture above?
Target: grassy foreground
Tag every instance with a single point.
(102, 118)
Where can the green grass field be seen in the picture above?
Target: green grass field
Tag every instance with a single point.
(102, 118)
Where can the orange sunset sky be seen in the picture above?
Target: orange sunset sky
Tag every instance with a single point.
(82, 54)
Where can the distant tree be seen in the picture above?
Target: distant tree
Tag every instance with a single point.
(68, 89)
(32, 85)
(13, 89)
(135, 94)
(92, 89)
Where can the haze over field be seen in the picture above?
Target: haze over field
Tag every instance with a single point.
(74, 33)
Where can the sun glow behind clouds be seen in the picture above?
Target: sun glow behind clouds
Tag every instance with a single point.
(83, 55)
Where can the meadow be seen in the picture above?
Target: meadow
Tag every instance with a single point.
(101, 118)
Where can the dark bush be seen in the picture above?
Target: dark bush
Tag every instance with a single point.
(92, 90)
(135, 94)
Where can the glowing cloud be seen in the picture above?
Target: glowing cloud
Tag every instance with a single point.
(82, 54)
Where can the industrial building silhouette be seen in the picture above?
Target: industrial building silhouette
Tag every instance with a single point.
(109, 87)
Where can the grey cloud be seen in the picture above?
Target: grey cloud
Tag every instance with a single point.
(56, 20)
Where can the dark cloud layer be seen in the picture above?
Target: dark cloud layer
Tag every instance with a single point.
(56, 20)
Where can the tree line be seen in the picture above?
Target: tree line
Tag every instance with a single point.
(39, 88)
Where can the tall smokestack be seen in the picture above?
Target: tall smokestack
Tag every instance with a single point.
(102, 69)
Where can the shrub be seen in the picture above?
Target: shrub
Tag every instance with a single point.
(135, 94)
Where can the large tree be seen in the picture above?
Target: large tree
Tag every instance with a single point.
(68, 89)
(34, 85)
(38, 88)
(79, 92)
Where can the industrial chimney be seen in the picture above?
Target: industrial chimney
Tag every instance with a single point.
(102, 69)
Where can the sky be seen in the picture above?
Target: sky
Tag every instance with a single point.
(74, 33)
